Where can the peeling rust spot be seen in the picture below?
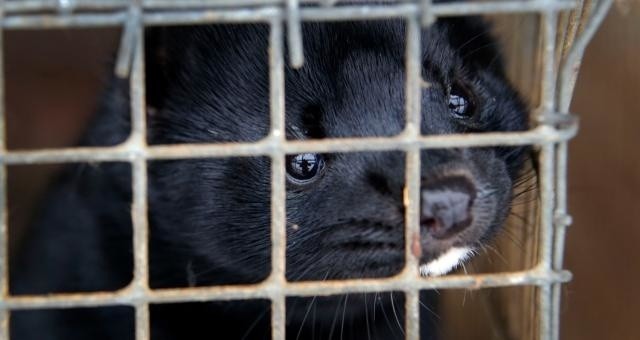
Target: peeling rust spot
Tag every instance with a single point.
(478, 283)
(416, 249)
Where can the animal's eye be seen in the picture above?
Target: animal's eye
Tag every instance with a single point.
(460, 103)
(304, 167)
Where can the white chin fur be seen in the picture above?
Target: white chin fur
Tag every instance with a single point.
(446, 261)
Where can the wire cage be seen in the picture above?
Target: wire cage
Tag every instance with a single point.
(564, 29)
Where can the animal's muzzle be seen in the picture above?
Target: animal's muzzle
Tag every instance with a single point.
(446, 206)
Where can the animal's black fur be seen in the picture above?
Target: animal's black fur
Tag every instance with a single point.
(209, 219)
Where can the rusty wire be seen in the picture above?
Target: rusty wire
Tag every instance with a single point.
(136, 14)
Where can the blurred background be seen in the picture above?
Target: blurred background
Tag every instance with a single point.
(603, 300)
(54, 78)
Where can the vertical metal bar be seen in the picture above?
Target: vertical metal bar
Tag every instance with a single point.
(139, 210)
(547, 197)
(412, 317)
(4, 260)
(562, 221)
(4, 324)
(413, 66)
(544, 314)
(137, 92)
(294, 33)
(571, 65)
(571, 24)
(2, 103)
(278, 185)
(128, 43)
(547, 159)
(4, 220)
(276, 81)
(548, 26)
(413, 73)
(137, 143)
(140, 243)
(427, 14)
(412, 242)
(142, 322)
(566, 81)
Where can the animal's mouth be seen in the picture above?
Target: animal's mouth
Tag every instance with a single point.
(435, 265)
(387, 243)
(446, 261)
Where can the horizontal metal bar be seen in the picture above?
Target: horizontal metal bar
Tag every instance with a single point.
(500, 7)
(43, 21)
(12, 7)
(103, 5)
(44, 5)
(267, 289)
(205, 15)
(209, 16)
(540, 135)
(52, 5)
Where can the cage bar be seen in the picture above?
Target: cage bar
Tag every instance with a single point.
(413, 95)
(294, 33)
(128, 296)
(4, 221)
(278, 180)
(548, 25)
(551, 135)
(130, 36)
(566, 82)
(138, 141)
(23, 6)
(536, 136)
(200, 15)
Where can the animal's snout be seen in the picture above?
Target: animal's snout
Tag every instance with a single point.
(446, 206)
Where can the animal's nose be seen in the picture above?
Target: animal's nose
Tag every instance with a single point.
(446, 206)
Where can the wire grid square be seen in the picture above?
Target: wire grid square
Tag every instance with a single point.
(550, 135)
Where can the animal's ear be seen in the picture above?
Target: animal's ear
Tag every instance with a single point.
(473, 39)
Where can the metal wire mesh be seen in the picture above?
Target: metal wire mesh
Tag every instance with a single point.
(554, 128)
